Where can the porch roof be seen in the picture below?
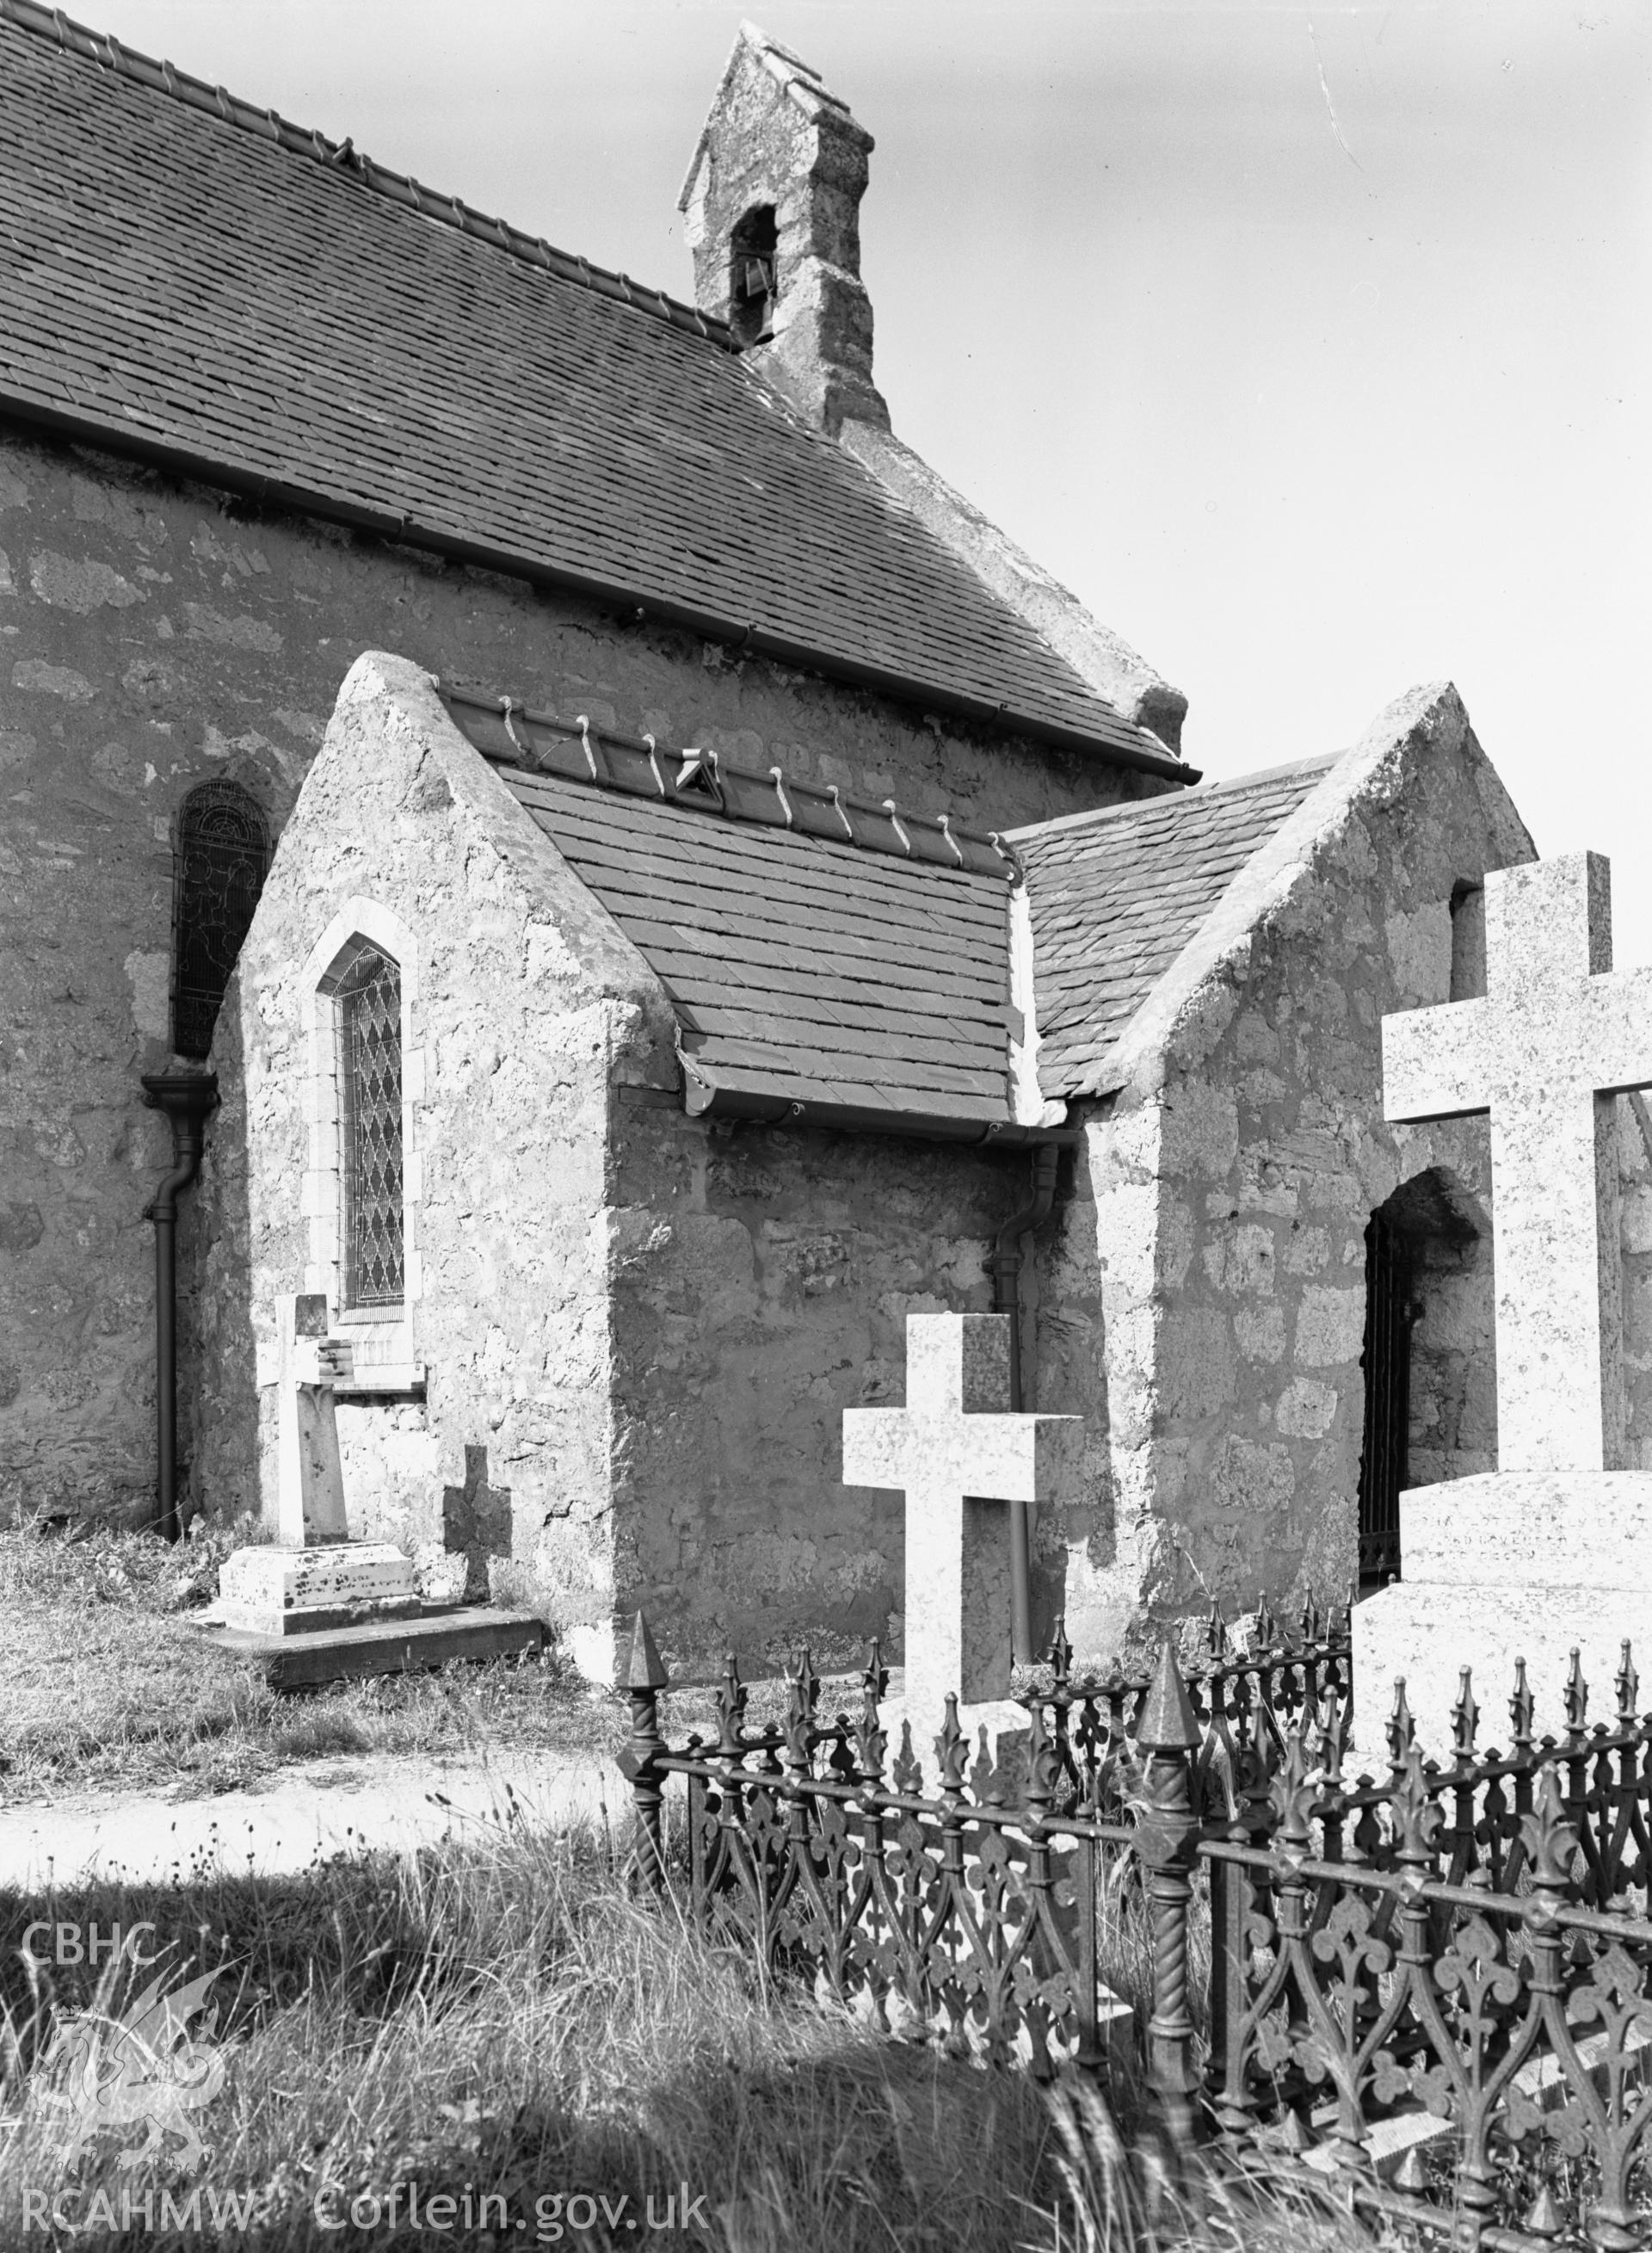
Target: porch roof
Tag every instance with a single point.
(1117, 894)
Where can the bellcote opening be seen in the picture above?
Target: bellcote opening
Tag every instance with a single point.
(751, 274)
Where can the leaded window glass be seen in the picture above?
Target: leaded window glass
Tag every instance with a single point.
(223, 851)
(369, 1005)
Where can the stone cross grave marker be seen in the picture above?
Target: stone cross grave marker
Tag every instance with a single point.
(315, 1577)
(309, 1478)
(1557, 1032)
(1553, 1548)
(959, 1455)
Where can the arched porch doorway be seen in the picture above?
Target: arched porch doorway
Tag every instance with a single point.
(1428, 1362)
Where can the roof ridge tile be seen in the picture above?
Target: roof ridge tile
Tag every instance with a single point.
(769, 802)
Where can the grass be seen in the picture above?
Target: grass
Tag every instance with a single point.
(104, 1685)
(509, 2022)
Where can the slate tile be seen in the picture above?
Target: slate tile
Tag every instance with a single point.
(276, 312)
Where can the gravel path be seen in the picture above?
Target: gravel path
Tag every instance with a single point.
(301, 1816)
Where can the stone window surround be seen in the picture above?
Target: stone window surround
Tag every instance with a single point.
(382, 1337)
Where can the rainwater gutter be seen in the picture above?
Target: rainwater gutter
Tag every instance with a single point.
(187, 1097)
(1008, 1258)
(704, 1099)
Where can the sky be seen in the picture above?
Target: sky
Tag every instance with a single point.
(1310, 347)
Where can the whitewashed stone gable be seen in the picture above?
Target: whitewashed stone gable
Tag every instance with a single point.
(524, 1007)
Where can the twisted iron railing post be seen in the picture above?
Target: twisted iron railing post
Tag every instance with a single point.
(1168, 1734)
(645, 1678)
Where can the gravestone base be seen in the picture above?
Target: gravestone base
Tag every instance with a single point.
(1505, 1566)
(282, 1591)
(382, 1645)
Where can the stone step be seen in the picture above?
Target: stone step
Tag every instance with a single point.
(398, 1646)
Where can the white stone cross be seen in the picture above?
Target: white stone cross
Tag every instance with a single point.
(309, 1506)
(1557, 1034)
(958, 1455)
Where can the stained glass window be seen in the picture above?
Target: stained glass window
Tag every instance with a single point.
(223, 850)
(369, 1005)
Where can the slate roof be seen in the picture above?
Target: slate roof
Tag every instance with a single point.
(824, 951)
(513, 735)
(866, 987)
(1116, 895)
(187, 275)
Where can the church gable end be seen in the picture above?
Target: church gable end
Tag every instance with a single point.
(1236, 1151)
(428, 1000)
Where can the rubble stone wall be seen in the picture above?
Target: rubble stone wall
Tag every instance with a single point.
(154, 633)
(763, 1277)
(1225, 1192)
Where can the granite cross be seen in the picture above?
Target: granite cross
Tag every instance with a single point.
(310, 1490)
(476, 1523)
(1557, 1034)
(958, 1455)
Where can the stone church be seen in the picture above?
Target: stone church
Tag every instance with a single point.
(663, 890)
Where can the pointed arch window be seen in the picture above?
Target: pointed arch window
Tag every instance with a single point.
(367, 997)
(219, 869)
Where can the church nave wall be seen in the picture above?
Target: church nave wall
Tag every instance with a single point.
(156, 633)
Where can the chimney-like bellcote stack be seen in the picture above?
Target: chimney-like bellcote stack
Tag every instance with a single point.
(771, 212)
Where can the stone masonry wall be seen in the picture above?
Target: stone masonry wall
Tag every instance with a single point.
(156, 632)
(1228, 1188)
(524, 1006)
(762, 1281)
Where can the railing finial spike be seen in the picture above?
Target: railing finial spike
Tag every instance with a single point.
(1627, 1684)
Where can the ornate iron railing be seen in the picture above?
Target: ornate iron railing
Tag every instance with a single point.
(967, 1915)
(1433, 1990)
(1485, 2036)
(1261, 1691)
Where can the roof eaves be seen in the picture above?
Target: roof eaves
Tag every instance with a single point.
(1140, 756)
(102, 48)
(704, 1099)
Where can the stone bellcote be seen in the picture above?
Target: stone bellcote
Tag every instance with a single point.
(771, 212)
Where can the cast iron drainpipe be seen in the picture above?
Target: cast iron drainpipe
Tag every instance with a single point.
(187, 1098)
(1006, 1263)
